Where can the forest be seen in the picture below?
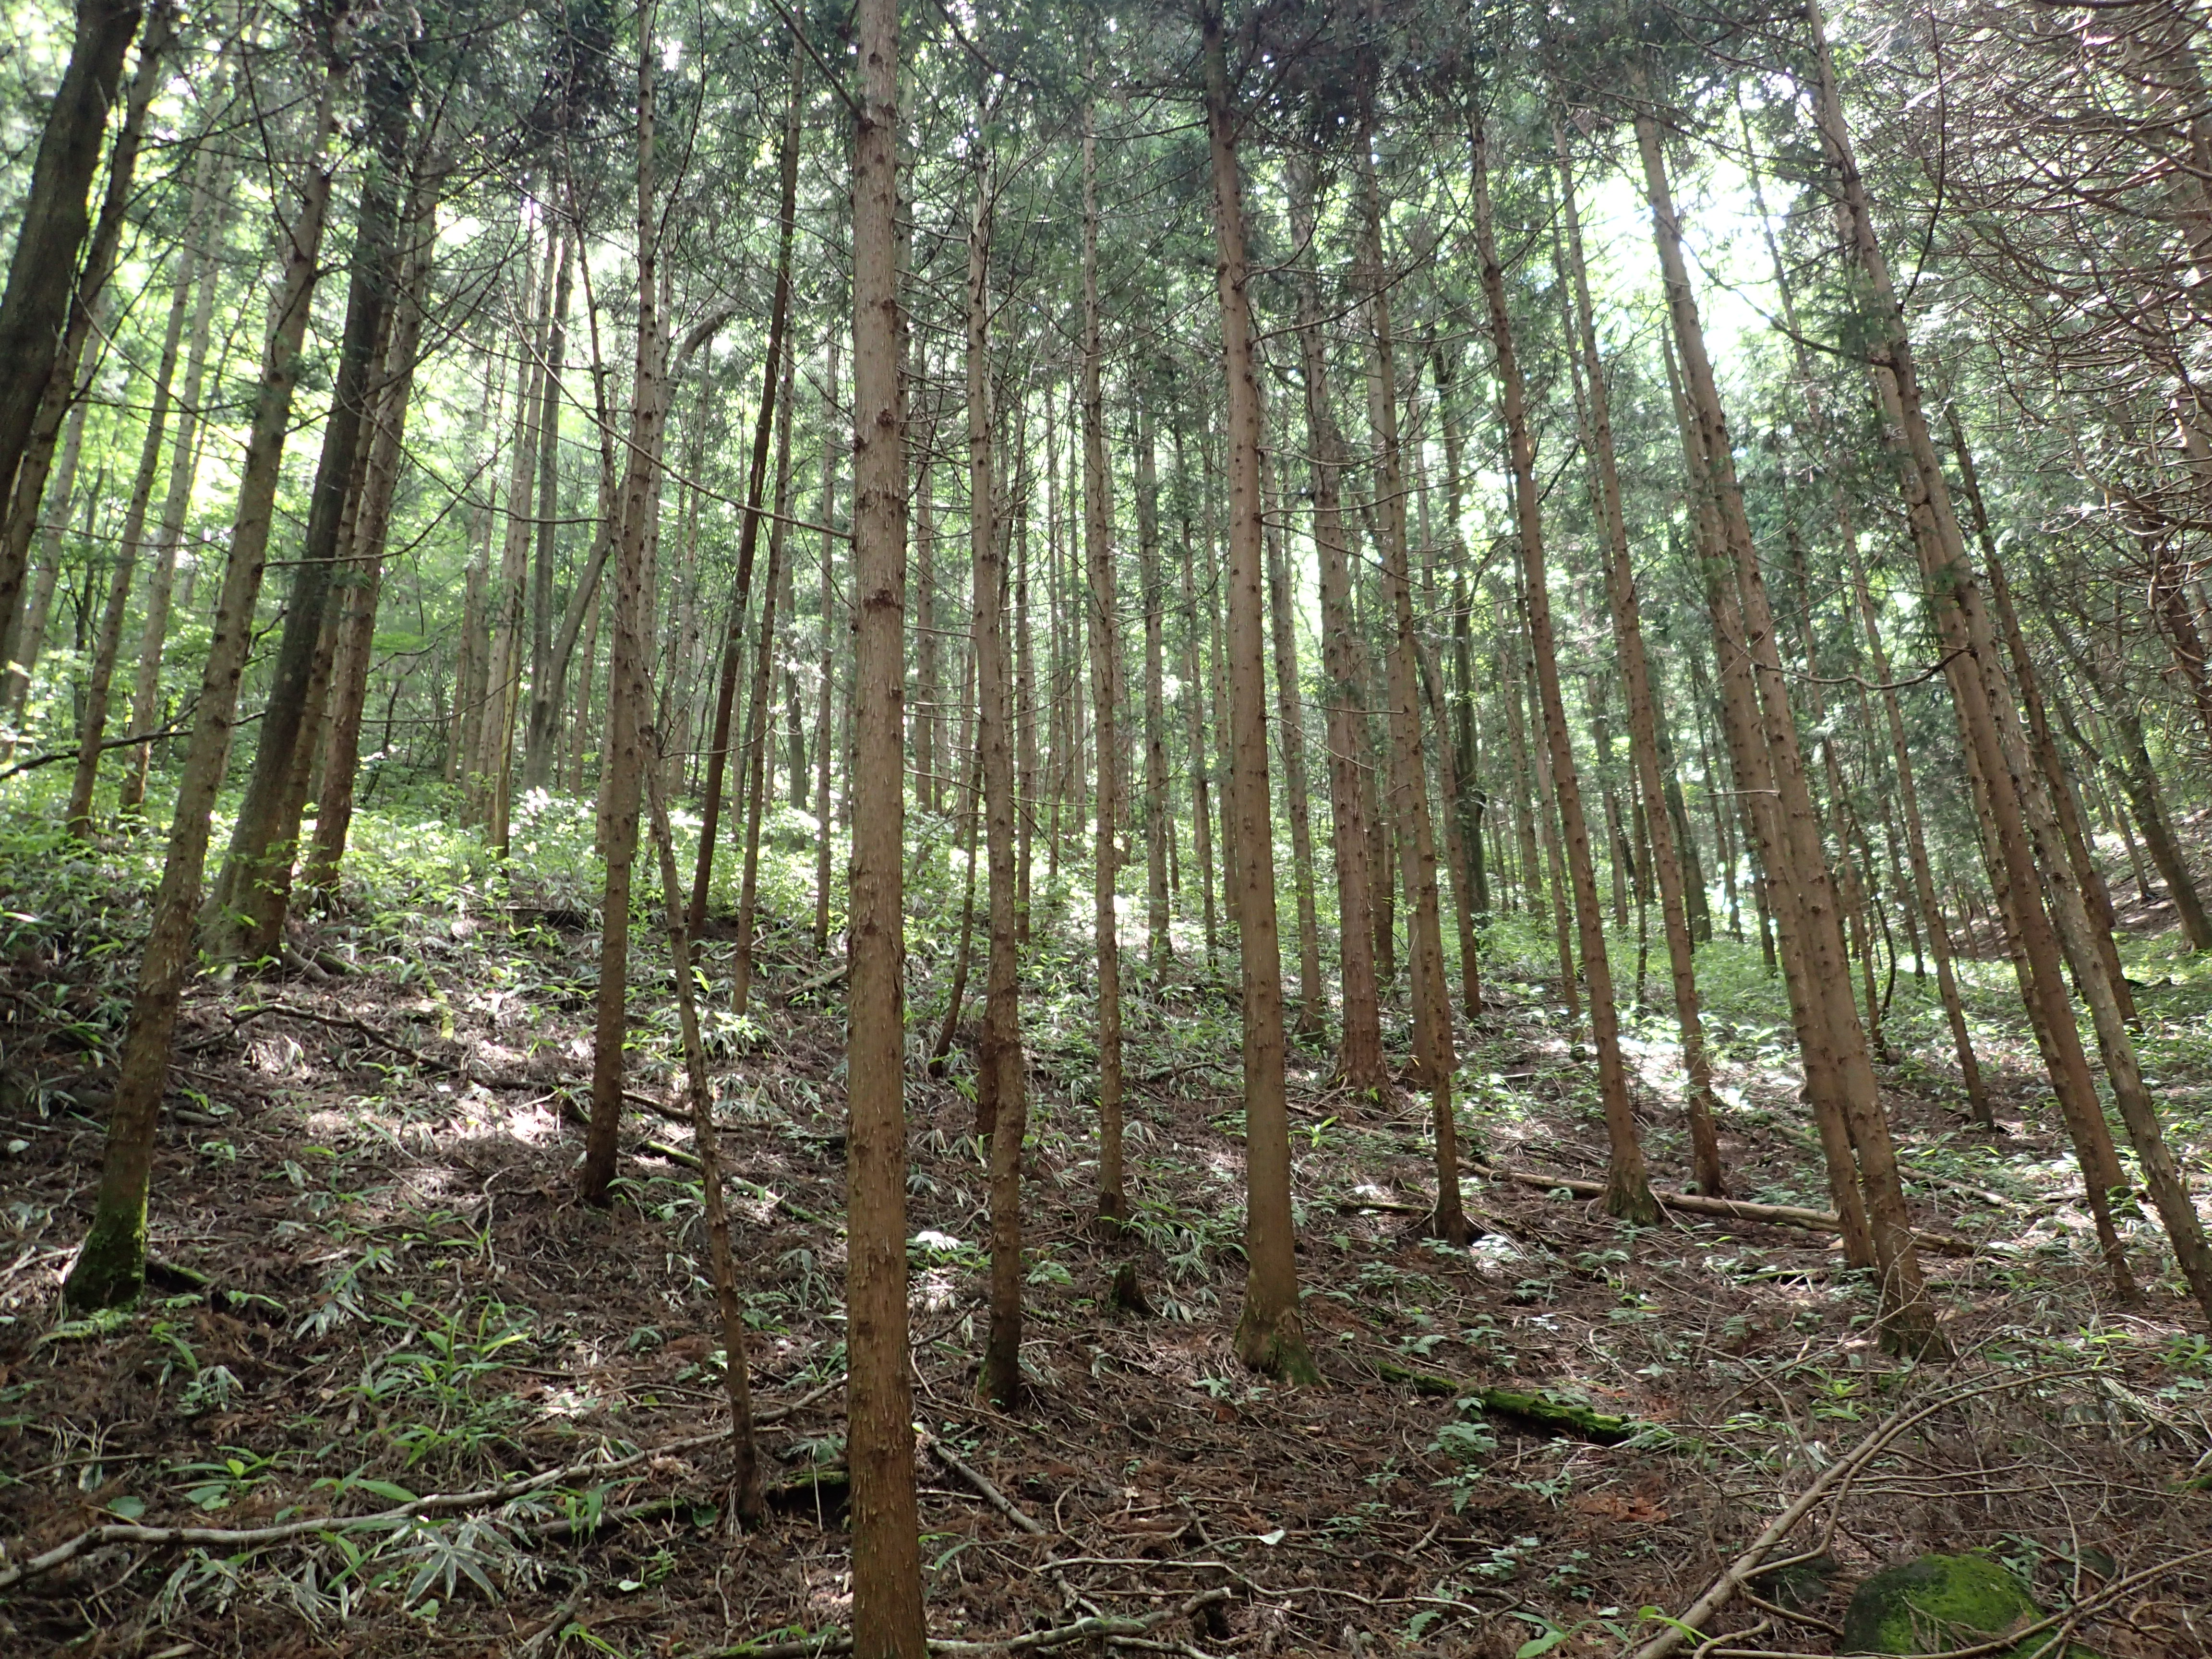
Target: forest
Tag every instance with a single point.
(1211, 827)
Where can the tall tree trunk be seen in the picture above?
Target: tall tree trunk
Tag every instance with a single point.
(509, 593)
(887, 1617)
(363, 582)
(1988, 717)
(1270, 1334)
(1160, 944)
(772, 377)
(1628, 1189)
(629, 658)
(1636, 688)
(42, 277)
(111, 1264)
(1014, 515)
(1192, 695)
(540, 740)
(1360, 1061)
(826, 661)
(1102, 609)
(1001, 1107)
(196, 263)
(1290, 719)
(1409, 778)
(1908, 1318)
(756, 785)
(252, 892)
(48, 310)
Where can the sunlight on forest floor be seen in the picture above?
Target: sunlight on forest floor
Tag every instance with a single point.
(402, 1299)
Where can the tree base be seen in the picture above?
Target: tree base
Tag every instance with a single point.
(110, 1270)
(1276, 1347)
(1629, 1198)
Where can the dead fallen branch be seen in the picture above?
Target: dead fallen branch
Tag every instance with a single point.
(1099, 1628)
(1734, 1209)
(1845, 1469)
(257, 1538)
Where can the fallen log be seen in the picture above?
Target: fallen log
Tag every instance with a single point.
(1528, 1405)
(1734, 1209)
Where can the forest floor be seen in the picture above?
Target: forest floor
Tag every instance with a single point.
(375, 1287)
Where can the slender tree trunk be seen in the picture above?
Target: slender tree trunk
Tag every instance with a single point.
(539, 741)
(887, 1616)
(964, 951)
(1628, 1194)
(1192, 695)
(196, 263)
(1290, 719)
(111, 1264)
(363, 583)
(1001, 1107)
(1908, 1318)
(1636, 688)
(252, 892)
(509, 602)
(1159, 944)
(826, 666)
(759, 708)
(772, 377)
(705, 1142)
(1360, 1061)
(1409, 772)
(1102, 609)
(42, 277)
(1270, 1335)
(1548, 813)
(630, 661)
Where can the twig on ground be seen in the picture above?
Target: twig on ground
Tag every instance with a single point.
(1092, 1629)
(1746, 1566)
(1786, 1215)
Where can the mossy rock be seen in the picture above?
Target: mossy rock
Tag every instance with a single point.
(1939, 1602)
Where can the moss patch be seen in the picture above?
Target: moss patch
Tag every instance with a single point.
(1939, 1602)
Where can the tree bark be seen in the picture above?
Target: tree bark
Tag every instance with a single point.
(887, 1616)
(1628, 1189)
(629, 660)
(42, 277)
(1270, 1335)
(1636, 688)
(1102, 610)
(1359, 1062)
(718, 744)
(1432, 1029)
(111, 1266)
(1001, 1106)
(252, 894)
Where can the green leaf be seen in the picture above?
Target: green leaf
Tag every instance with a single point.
(129, 1508)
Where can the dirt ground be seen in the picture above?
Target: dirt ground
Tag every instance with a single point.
(374, 1286)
